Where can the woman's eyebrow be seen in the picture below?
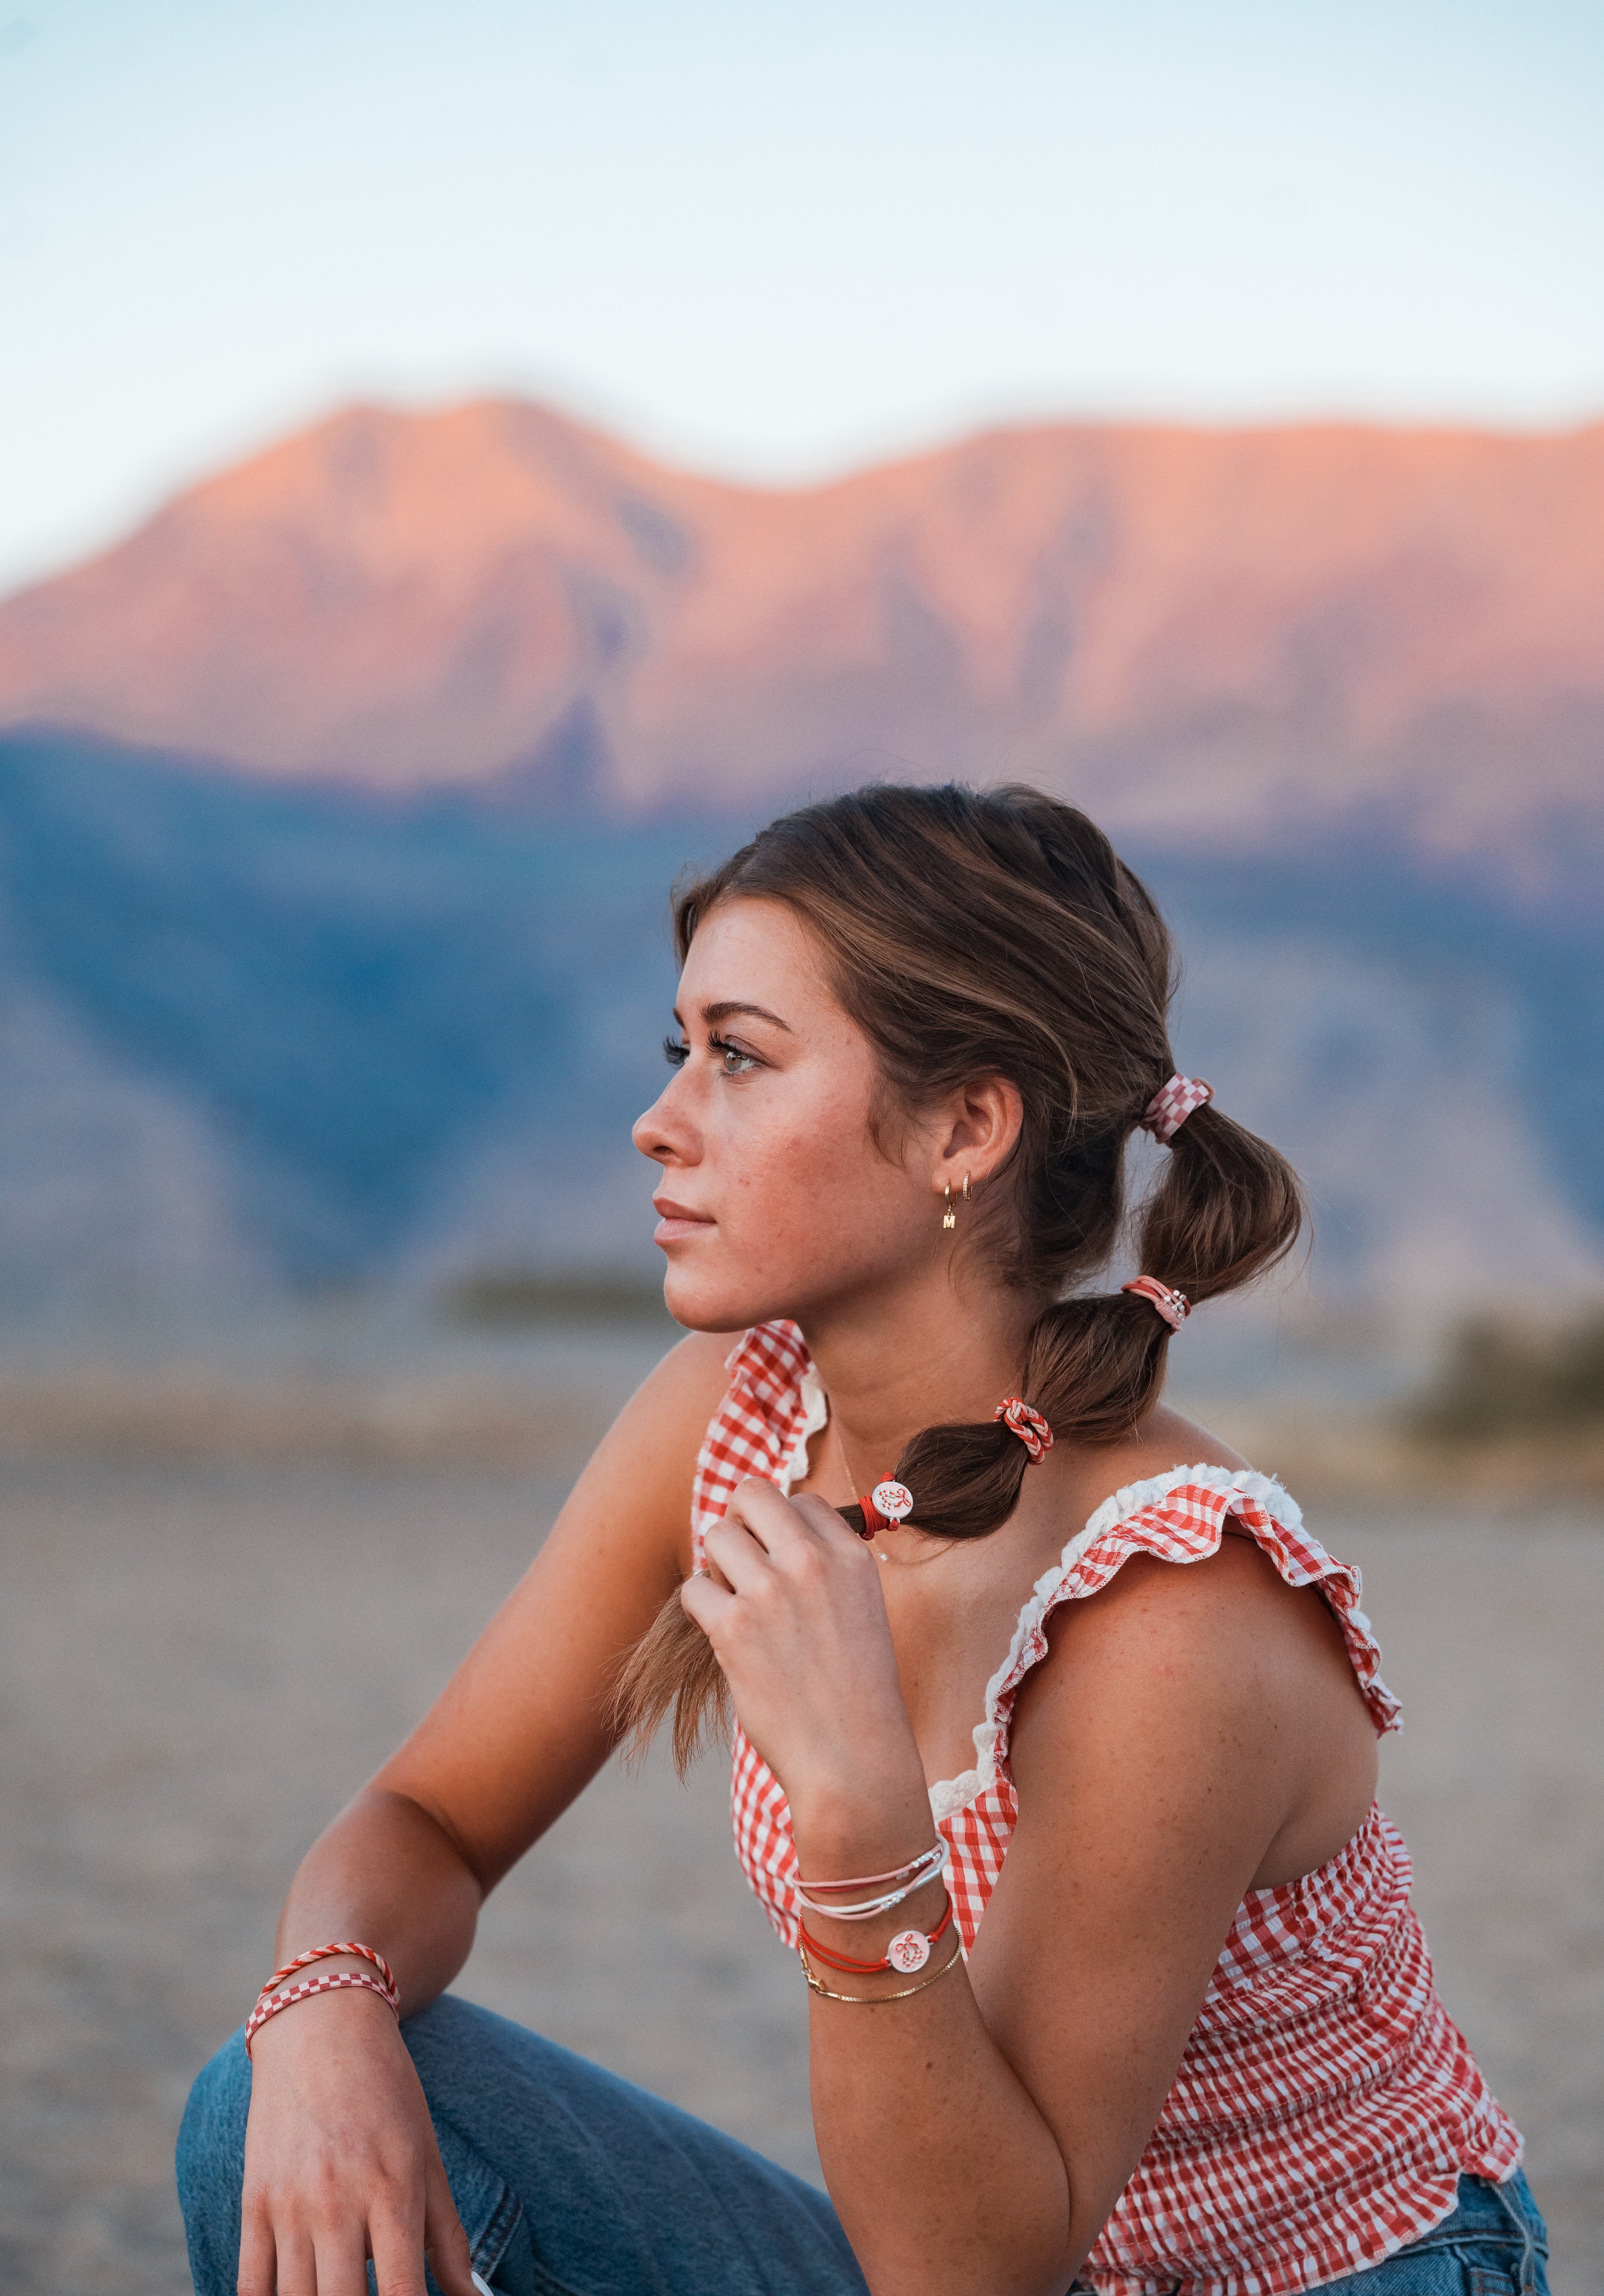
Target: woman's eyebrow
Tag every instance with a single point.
(714, 1014)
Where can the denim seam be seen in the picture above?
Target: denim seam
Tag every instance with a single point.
(491, 2245)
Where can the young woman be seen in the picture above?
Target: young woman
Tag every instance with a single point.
(1054, 1730)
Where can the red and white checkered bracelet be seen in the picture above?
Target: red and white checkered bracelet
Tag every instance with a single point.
(269, 2001)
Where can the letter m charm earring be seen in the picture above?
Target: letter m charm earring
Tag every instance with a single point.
(949, 1219)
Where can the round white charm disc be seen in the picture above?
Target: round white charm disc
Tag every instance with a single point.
(909, 1949)
(895, 1500)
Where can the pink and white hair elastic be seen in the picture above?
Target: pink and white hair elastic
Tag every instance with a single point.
(1173, 1306)
(1172, 1105)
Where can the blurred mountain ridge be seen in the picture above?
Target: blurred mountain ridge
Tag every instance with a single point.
(263, 1034)
(339, 806)
(1244, 635)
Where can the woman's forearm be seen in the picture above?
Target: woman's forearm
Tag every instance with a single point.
(387, 1874)
(945, 2176)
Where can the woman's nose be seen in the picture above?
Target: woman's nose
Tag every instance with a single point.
(656, 1134)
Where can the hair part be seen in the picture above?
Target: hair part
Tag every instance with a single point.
(973, 933)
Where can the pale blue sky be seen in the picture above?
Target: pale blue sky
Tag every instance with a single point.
(777, 238)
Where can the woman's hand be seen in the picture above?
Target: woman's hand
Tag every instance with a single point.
(794, 1612)
(341, 2162)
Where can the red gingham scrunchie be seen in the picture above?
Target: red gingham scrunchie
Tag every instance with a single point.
(1172, 1105)
(1028, 1425)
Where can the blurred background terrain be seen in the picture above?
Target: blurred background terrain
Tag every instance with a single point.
(341, 802)
(469, 468)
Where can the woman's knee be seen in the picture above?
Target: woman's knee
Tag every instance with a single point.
(211, 2167)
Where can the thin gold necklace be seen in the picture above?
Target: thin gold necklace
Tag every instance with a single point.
(846, 1474)
(902, 1562)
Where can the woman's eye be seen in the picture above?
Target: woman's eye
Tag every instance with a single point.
(675, 1054)
(732, 1061)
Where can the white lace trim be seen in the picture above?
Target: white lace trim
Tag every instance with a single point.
(815, 1415)
(948, 1796)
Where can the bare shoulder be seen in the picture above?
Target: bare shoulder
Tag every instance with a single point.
(648, 1456)
(1222, 1619)
(692, 1379)
(1167, 1440)
(1164, 1441)
(1208, 1639)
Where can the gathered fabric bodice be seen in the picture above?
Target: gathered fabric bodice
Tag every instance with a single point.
(1326, 2104)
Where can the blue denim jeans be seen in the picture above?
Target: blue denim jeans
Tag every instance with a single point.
(1495, 2243)
(571, 2182)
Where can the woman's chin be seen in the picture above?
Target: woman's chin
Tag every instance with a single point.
(702, 1306)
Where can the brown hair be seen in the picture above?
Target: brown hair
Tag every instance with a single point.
(975, 934)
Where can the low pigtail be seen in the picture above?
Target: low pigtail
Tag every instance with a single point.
(1093, 1366)
(1228, 1207)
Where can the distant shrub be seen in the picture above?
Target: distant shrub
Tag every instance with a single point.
(514, 1296)
(1505, 1378)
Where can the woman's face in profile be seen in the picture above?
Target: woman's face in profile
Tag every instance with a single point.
(775, 1196)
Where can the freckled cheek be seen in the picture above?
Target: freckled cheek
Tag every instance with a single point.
(783, 1177)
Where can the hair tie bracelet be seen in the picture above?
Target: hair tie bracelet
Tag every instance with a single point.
(931, 1867)
(938, 1850)
(1028, 1425)
(1172, 1105)
(1173, 1306)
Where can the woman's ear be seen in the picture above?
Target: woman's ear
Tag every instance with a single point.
(983, 1123)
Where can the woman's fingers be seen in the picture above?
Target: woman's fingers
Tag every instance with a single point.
(737, 1559)
(395, 2236)
(342, 2258)
(824, 1519)
(762, 1533)
(769, 1517)
(259, 2251)
(443, 2235)
(292, 2269)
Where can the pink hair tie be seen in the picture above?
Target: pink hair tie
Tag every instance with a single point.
(1169, 1108)
(1028, 1425)
(1173, 1306)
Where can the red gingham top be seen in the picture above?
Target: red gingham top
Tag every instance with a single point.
(1326, 2105)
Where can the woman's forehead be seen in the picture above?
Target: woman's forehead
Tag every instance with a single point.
(756, 952)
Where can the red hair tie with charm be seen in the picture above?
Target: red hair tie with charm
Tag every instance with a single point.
(889, 1503)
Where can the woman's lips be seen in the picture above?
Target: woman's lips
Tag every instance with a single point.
(675, 1222)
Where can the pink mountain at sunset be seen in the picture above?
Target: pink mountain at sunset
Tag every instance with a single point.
(1202, 630)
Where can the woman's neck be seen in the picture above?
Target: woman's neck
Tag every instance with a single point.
(937, 1353)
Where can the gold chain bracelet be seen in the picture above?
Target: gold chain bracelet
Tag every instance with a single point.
(867, 2000)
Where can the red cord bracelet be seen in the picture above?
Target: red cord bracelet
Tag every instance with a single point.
(269, 2001)
(908, 1950)
(332, 1953)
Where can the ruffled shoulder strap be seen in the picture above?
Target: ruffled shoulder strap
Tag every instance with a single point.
(774, 1405)
(1181, 1517)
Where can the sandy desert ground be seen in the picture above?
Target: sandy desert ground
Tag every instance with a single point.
(200, 1660)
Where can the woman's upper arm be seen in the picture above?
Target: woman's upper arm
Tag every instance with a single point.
(522, 1726)
(1152, 1769)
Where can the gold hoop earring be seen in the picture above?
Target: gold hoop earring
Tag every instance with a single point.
(966, 1187)
(949, 1219)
